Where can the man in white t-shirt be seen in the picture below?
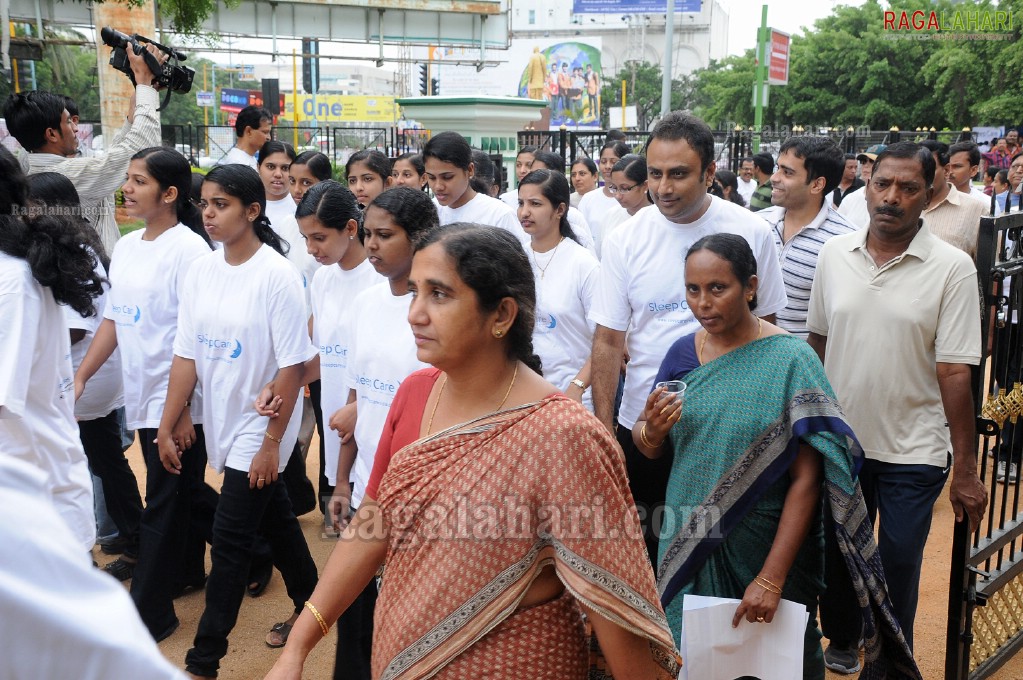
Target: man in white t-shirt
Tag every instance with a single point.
(963, 165)
(252, 128)
(641, 288)
(747, 185)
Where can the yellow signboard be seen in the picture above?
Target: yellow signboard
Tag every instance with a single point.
(342, 108)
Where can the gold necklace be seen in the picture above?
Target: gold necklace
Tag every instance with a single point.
(760, 329)
(429, 425)
(543, 270)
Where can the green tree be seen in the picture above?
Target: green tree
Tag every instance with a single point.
(643, 90)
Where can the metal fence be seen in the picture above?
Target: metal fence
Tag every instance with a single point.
(985, 611)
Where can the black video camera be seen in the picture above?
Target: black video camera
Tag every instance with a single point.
(170, 74)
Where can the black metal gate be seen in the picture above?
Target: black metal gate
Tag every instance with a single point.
(985, 613)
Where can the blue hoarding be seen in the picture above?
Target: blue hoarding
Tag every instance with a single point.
(632, 6)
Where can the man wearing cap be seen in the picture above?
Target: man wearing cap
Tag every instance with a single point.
(763, 168)
(854, 204)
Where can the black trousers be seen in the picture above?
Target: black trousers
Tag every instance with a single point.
(323, 487)
(101, 439)
(648, 481)
(242, 514)
(167, 557)
(355, 637)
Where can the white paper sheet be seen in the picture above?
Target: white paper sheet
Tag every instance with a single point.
(713, 650)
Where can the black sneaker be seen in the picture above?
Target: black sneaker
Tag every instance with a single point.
(842, 660)
(115, 546)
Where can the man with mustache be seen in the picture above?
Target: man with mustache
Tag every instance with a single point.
(893, 316)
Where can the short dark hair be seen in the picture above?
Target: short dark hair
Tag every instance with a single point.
(333, 204)
(850, 157)
(485, 172)
(276, 146)
(764, 162)
(727, 179)
(550, 160)
(373, 159)
(969, 147)
(318, 164)
(678, 125)
(938, 148)
(590, 166)
(251, 116)
(633, 166)
(991, 171)
(31, 114)
(747, 159)
(615, 136)
(414, 159)
(410, 209)
(528, 148)
(71, 105)
(449, 147)
(910, 150)
(821, 157)
(736, 251)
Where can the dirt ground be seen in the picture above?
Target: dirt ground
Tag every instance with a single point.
(248, 656)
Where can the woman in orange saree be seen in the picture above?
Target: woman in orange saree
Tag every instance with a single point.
(502, 512)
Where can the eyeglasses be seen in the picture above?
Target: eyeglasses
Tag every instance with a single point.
(620, 189)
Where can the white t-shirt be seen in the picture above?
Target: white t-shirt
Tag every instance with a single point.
(641, 286)
(563, 337)
(746, 189)
(97, 634)
(594, 205)
(381, 354)
(284, 224)
(37, 422)
(511, 197)
(236, 155)
(582, 229)
(484, 210)
(332, 292)
(103, 393)
(854, 208)
(240, 324)
(146, 278)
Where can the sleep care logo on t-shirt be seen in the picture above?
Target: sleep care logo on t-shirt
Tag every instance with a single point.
(670, 311)
(333, 356)
(220, 349)
(126, 315)
(545, 323)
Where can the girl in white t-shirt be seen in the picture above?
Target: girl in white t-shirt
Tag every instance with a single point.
(382, 353)
(596, 204)
(628, 185)
(307, 170)
(37, 422)
(100, 409)
(565, 275)
(329, 218)
(147, 272)
(232, 343)
(584, 179)
(523, 164)
(449, 167)
(408, 171)
(368, 173)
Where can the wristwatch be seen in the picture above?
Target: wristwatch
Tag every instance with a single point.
(580, 384)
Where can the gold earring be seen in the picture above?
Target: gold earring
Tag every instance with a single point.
(498, 332)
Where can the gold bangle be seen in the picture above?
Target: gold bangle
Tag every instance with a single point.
(646, 442)
(767, 585)
(319, 619)
(767, 580)
(273, 438)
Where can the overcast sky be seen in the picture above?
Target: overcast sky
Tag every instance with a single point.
(789, 16)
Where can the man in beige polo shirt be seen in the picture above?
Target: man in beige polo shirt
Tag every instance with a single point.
(894, 315)
(952, 216)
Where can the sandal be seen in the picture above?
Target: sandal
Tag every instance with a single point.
(281, 629)
(259, 578)
(120, 569)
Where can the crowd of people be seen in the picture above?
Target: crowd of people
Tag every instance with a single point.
(463, 398)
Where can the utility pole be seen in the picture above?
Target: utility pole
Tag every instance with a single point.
(760, 86)
(669, 30)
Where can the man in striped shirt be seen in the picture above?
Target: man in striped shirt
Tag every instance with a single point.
(802, 218)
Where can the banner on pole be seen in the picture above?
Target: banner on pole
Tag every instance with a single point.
(778, 58)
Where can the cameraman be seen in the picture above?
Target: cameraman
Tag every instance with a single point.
(41, 124)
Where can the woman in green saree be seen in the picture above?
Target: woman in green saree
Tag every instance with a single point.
(759, 443)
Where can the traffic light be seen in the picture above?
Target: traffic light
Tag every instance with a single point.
(424, 79)
(434, 86)
(310, 65)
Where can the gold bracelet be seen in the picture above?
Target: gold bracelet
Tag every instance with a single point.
(767, 580)
(273, 438)
(767, 585)
(646, 442)
(319, 619)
